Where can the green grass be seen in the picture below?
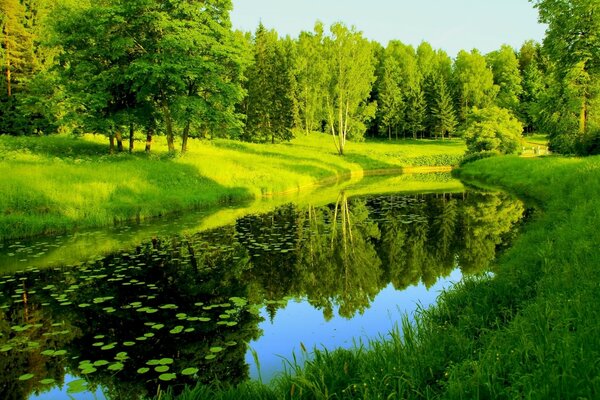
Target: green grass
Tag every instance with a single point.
(530, 330)
(55, 184)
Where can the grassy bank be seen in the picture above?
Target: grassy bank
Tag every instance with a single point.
(55, 184)
(528, 331)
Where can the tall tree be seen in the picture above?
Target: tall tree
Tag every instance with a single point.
(271, 87)
(311, 72)
(416, 111)
(507, 76)
(442, 112)
(125, 59)
(473, 82)
(352, 69)
(391, 102)
(17, 45)
(573, 44)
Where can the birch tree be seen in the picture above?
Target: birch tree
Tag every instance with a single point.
(351, 63)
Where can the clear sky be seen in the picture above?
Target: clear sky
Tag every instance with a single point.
(451, 25)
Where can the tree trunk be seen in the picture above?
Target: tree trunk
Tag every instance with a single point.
(111, 146)
(131, 139)
(119, 138)
(149, 133)
(184, 138)
(583, 116)
(389, 133)
(169, 125)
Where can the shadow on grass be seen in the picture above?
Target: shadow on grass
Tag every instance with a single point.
(103, 194)
(299, 163)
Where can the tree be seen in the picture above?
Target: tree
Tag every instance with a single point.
(271, 86)
(505, 67)
(124, 60)
(415, 111)
(493, 129)
(312, 75)
(473, 81)
(442, 112)
(391, 102)
(573, 44)
(534, 83)
(352, 76)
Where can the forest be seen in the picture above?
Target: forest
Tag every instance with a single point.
(131, 70)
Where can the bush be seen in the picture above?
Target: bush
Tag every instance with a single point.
(493, 129)
(478, 156)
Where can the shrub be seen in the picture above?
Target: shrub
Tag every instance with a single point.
(493, 129)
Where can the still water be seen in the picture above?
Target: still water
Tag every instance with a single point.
(176, 308)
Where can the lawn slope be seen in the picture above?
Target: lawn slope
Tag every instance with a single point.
(58, 183)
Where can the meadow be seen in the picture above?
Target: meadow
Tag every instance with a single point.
(56, 184)
(527, 330)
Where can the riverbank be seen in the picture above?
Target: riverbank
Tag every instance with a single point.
(530, 330)
(55, 184)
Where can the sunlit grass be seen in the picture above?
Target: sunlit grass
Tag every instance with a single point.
(57, 183)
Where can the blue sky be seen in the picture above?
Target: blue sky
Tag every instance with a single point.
(451, 25)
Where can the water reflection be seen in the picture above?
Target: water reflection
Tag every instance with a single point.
(180, 309)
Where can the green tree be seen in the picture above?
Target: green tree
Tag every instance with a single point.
(534, 83)
(311, 73)
(416, 111)
(390, 99)
(351, 63)
(473, 82)
(573, 44)
(271, 86)
(442, 112)
(507, 76)
(493, 129)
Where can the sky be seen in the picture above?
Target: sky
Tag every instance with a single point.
(451, 25)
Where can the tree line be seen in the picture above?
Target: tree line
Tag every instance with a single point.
(177, 68)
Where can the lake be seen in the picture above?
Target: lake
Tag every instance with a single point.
(230, 294)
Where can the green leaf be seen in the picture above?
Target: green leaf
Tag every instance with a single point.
(189, 371)
(25, 377)
(167, 377)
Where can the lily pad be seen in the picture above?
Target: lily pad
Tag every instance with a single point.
(77, 386)
(167, 377)
(116, 366)
(189, 371)
(25, 377)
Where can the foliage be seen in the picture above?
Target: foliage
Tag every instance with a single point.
(271, 106)
(350, 60)
(473, 81)
(442, 111)
(127, 62)
(311, 75)
(493, 129)
(507, 76)
(572, 44)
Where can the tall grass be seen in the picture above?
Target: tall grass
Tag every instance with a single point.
(530, 330)
(57, 183)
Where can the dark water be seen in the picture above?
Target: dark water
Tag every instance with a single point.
(176, 309)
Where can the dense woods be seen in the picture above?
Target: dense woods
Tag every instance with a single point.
(138, 68)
